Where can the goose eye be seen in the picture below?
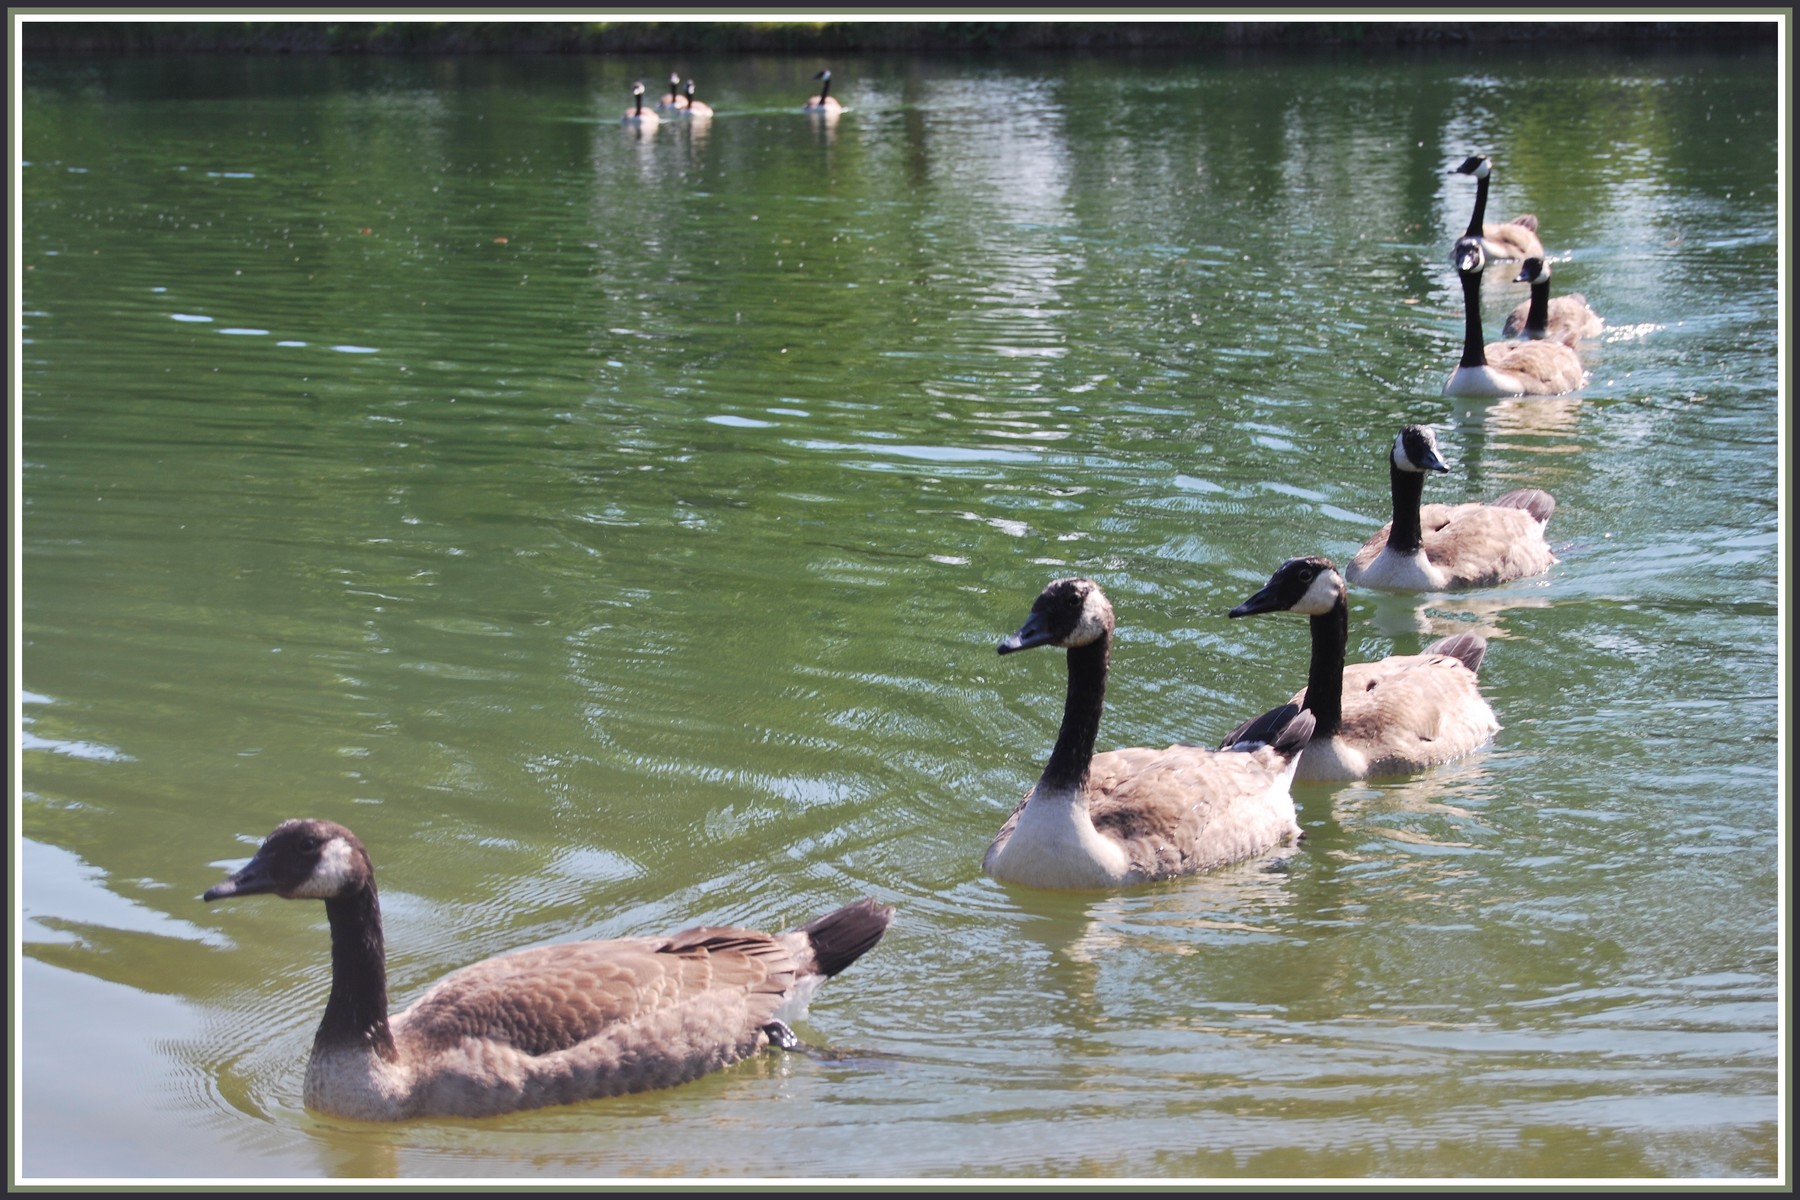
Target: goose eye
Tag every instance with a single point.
(1306, 576)
(309, 844)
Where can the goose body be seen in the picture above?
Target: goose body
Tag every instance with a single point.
(637, 114)
(824, 102)
(1528, 368)
(550, 1025)
(1394, 717)
(1514, 239)
(1445, 547)
(691, 106)
(1130, 816)
(1564, 319)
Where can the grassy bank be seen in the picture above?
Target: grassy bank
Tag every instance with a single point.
(810, 37)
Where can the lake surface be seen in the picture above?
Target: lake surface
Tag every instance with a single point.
(614, 528)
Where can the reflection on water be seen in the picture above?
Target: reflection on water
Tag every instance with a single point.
(614, 525)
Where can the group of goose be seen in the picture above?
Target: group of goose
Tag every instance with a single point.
(680, 101)
(561, 1023)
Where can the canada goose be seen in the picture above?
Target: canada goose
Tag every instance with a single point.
(550, 1025)
(1393, 717)
(637, 114)
(671, 100)
(1442, 547)
(823, 102)
(1518, 238)
(1541, 368)
(1566, 318)
(693, 107)
(1128, 816)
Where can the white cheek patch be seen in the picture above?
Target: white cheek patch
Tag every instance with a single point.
(1322, 596)
(1095, 617)
(333, 873)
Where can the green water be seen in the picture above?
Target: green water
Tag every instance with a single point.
(615, 529)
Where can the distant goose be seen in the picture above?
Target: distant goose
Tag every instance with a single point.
(671, 100)
(1393, 717)
(550, 1025)
(1565, 319)
(637, 114)
(823, 102)
(693, 107)
(1518, 238)
(1128, 816)
(1444, 547)
(1529, 368)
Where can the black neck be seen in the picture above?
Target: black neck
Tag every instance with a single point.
(1473, 355)
(357, 1012)
(824, 89)
(1067, 769)
(1480, 214)
(1537, 317)
(1325, 678)
(1408, 488)
(639, 111)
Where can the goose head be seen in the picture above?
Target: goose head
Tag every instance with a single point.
(1069, 612)
(1469, 256)
(301, 860)
(1416, 450)
(1478, 165)
(1309, 586)
(1533, 271)
(825, 75)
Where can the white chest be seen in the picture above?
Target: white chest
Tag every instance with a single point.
(1401, 572)
(1483, 381)
(1055, 845)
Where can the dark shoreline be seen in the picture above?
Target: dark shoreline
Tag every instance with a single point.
(817, 37)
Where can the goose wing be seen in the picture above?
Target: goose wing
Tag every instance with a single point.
(1546, 368)
(1482, 544)
(1413, 710)
(1187, 809)
(553, 998)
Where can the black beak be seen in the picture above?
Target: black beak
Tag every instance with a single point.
(1264, 601)
(252, 879)
(1032, 633)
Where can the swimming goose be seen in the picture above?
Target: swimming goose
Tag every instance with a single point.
(670, 101)
(1566, 318)
(550, 1025)
(823, 102)
(693, 107)
(1128, 816)
(637, 114)
(1541, 368)
(1443, 547)
(1393, 717)
(1517, 238)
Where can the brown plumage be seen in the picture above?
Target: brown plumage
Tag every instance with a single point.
(549, 1025)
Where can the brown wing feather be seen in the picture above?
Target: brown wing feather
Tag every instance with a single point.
(1180, 810)
(1412, 710)
(552, 998)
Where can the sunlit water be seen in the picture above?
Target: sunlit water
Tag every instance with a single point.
(615, 528)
